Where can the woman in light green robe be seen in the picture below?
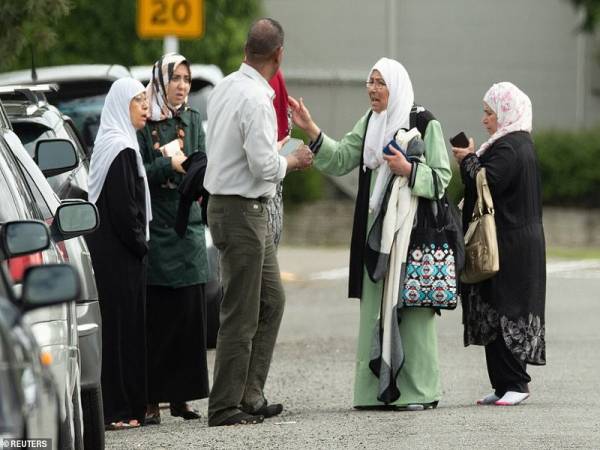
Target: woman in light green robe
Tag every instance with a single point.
(419, 379)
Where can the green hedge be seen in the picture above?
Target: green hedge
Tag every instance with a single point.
(570, 167)
(569, 164)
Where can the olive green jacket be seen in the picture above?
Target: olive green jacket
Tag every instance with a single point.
(173, 261)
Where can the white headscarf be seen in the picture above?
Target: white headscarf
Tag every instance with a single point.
(162, 72)
(116, 133)
(382, 126)
(513, 109)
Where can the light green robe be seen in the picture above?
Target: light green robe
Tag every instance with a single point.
(419, 378)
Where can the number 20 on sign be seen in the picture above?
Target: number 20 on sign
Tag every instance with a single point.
(159, 18)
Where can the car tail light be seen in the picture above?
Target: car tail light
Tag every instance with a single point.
(18, 264)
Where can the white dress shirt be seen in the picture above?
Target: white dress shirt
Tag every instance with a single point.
(241, 137)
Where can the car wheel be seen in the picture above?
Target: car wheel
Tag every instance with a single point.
(93, 418)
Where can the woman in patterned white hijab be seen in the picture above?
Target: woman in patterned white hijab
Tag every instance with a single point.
(513, 110)
(506, 312)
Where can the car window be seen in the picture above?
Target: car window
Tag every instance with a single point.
(37, 195)
(15, 198)
(9, 210)
(85, 113)
(72, 134)
(30, 133)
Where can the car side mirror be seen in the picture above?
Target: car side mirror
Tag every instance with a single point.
(55, 156)
(23, 237)
(49, 284)
(74, 218)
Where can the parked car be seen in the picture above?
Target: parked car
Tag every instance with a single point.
(204, 79)
(35, 121)
(29, 402)
(26, 194)
(86, 87)
(83, 88)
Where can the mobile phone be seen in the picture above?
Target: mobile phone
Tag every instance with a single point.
(393, 143)
(290, 146)
(460, 140)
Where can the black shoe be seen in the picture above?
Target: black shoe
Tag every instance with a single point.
(152, 415)
(267, 410)
(184, 411)
(240, 418)
(152, 419)
(375, 408)
(417, 406)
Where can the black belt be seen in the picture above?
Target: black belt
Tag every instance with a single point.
(241, 197)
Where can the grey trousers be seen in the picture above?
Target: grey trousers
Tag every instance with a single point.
(252, 305)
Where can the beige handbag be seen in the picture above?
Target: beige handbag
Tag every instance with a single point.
(481, 244)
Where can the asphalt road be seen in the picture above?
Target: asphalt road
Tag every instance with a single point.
(312, 375)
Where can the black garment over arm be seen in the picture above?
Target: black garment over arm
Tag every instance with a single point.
(127, 206)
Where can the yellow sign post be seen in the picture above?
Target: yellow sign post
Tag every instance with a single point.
(180, 18)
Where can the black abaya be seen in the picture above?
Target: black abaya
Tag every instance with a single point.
(177, 369)
(510, 306)
(118, 249)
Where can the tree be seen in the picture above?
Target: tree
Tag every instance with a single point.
(103, 31)
(28, 22)
(591, 10)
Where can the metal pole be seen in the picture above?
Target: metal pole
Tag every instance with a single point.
(171, 44)
(580, 80)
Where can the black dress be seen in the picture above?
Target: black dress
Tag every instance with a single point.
(510, 306)
(118, 249)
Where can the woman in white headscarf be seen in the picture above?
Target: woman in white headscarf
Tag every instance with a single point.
(506, 312)
(118, 187)
(407, 377)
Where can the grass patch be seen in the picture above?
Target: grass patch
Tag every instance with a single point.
(573, 252)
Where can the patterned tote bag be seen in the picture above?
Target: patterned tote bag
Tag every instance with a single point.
(435, 256)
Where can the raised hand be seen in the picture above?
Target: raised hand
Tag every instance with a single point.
(302, 118)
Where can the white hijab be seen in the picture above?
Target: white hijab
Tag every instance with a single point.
(513, 109)
(382, 126)
(117, 133)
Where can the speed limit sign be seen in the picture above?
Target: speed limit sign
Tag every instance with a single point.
(159, 18)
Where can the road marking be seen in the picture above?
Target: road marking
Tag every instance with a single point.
(571, 266)
(589, 269)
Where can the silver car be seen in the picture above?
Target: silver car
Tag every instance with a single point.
(29, 401)
(55, 328)
(34, 121)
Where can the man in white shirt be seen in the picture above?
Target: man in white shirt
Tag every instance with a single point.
(243, 169)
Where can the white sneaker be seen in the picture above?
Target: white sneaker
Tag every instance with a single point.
(489, 399)
(512, 398)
